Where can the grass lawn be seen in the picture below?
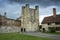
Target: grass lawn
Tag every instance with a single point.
(18, 36)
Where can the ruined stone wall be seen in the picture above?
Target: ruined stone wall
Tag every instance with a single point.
(9, 29)
(9, 25)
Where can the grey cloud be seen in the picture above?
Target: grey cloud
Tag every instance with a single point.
(40, 2)
(24, 1)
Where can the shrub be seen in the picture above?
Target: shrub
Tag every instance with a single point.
(52, 29)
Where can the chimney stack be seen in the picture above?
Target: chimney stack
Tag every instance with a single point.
(54, 12)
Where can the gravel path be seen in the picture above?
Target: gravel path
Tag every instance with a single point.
(39, 34)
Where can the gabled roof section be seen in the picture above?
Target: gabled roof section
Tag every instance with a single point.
(51, 19)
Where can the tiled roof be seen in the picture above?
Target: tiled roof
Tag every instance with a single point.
(51, 19)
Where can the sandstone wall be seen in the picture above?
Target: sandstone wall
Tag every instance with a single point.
(9, 29)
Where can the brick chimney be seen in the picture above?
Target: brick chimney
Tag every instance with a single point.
(54, 12)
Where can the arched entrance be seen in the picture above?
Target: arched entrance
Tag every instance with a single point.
(23, 29)
(43, 29)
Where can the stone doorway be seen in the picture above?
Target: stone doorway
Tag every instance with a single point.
(43, 29)
(23, 29)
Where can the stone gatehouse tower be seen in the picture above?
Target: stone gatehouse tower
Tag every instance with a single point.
(29, 18)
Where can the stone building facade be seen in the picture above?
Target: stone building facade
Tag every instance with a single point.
(8, 25)
(29, 18)
(28, 21)
(51, 21)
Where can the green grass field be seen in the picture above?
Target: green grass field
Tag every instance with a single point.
(18, 36)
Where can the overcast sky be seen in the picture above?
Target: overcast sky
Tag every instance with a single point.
(13, 7)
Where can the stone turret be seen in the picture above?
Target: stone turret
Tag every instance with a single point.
(37, 17)
(27, 5)
(22, 17)
(5, 14)
(37, 12)
(23, 9)
(27, 9)
(36, 7)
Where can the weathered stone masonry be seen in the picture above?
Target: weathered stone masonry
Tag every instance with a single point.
(30, 18)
